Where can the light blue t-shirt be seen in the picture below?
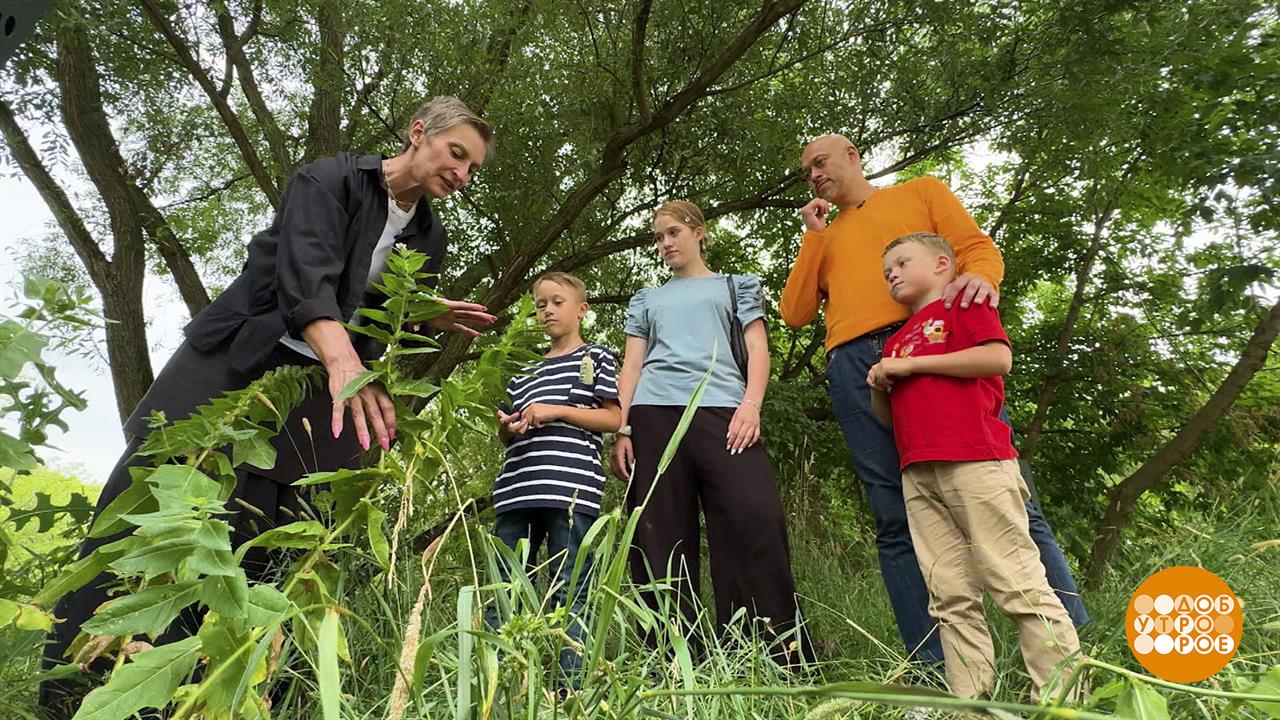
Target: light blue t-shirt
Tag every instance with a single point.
(681, 320)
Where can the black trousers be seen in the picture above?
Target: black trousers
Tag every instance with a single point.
(746, 528)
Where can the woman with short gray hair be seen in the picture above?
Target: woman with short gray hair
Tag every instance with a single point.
(303, 277)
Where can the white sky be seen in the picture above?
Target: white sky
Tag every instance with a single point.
(94, 441)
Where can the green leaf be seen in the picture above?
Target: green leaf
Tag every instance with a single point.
(416, 388)
(182, 486)
(16, 454)
(375, 315)
(24, 616)
(422, 658)
(377, 535)
(227, 595)
(266, 606)
(255, 451)
(355, 385)
(18, 346)
(46, 512)
(75, 575)
(146, 612)
(148, 681)
(136, 499)
(1140, 702)
(212, 555)
(301, 534)
(154, 559)
(327, 672)
(1268, 685)
(466, 642)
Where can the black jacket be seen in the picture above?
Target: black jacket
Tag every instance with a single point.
(312, 263)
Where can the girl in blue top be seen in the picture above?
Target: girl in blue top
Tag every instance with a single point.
(721, 464)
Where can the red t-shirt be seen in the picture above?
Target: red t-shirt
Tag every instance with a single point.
(936, 417)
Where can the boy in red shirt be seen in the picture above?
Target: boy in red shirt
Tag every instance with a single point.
(939, 386)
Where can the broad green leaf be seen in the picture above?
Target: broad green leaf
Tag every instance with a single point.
(46, 512)
(416, 388)
(335, 476)
(227, 595)
(147, 681)
(301, 534)
(212, 555)
(182, 485)
(466, 643)
(375, 314)
(255, 451)
(266, 606)
(1268, 685)
(75, 575)
(148, 611)
(374, 519)
(422, 658)
(154, 559)
(16, 454)
(24, 616)
(355, 385)
(136, 499)
(327, 672)
(1140, 702)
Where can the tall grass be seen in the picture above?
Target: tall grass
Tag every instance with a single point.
(642, 662)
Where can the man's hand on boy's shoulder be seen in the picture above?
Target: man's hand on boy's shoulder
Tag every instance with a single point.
(971, 290)
(539, 414)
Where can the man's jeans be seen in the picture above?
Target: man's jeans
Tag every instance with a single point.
(875, 462)
(563, 532)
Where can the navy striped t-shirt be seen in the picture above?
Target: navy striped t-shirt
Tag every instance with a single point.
(558, 465)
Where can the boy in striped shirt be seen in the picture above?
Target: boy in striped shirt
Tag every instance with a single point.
(552, 481)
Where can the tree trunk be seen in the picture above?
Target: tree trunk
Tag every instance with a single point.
(121, 284)
(1124, 497)
(126, 341)
(324, 120)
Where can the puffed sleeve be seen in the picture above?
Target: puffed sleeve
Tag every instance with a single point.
(638, 315)
(750, 298)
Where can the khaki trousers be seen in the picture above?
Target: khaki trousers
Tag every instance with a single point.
(968, 522)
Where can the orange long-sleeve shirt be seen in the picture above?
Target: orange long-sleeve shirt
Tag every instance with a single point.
(842, 264)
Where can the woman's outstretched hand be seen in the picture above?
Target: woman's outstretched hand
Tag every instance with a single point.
(462, 317)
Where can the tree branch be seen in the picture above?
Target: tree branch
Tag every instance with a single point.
(638, 88)
(229, 118)
(234, 46)
(72, 225)
(1123, 498)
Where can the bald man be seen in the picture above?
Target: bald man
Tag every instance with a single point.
(839, 270)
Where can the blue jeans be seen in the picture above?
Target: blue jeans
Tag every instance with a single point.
(875, 462)
(563, 532)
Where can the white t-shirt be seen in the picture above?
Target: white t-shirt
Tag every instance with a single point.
(397, 220)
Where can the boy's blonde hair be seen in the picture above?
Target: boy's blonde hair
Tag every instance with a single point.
(932, 241)
(563, 279)
(686, 213)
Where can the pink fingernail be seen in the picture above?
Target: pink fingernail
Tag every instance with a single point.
(364, 443)
(386, 444)
(336, 431)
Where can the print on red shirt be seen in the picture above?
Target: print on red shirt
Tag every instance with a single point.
(936, 417)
